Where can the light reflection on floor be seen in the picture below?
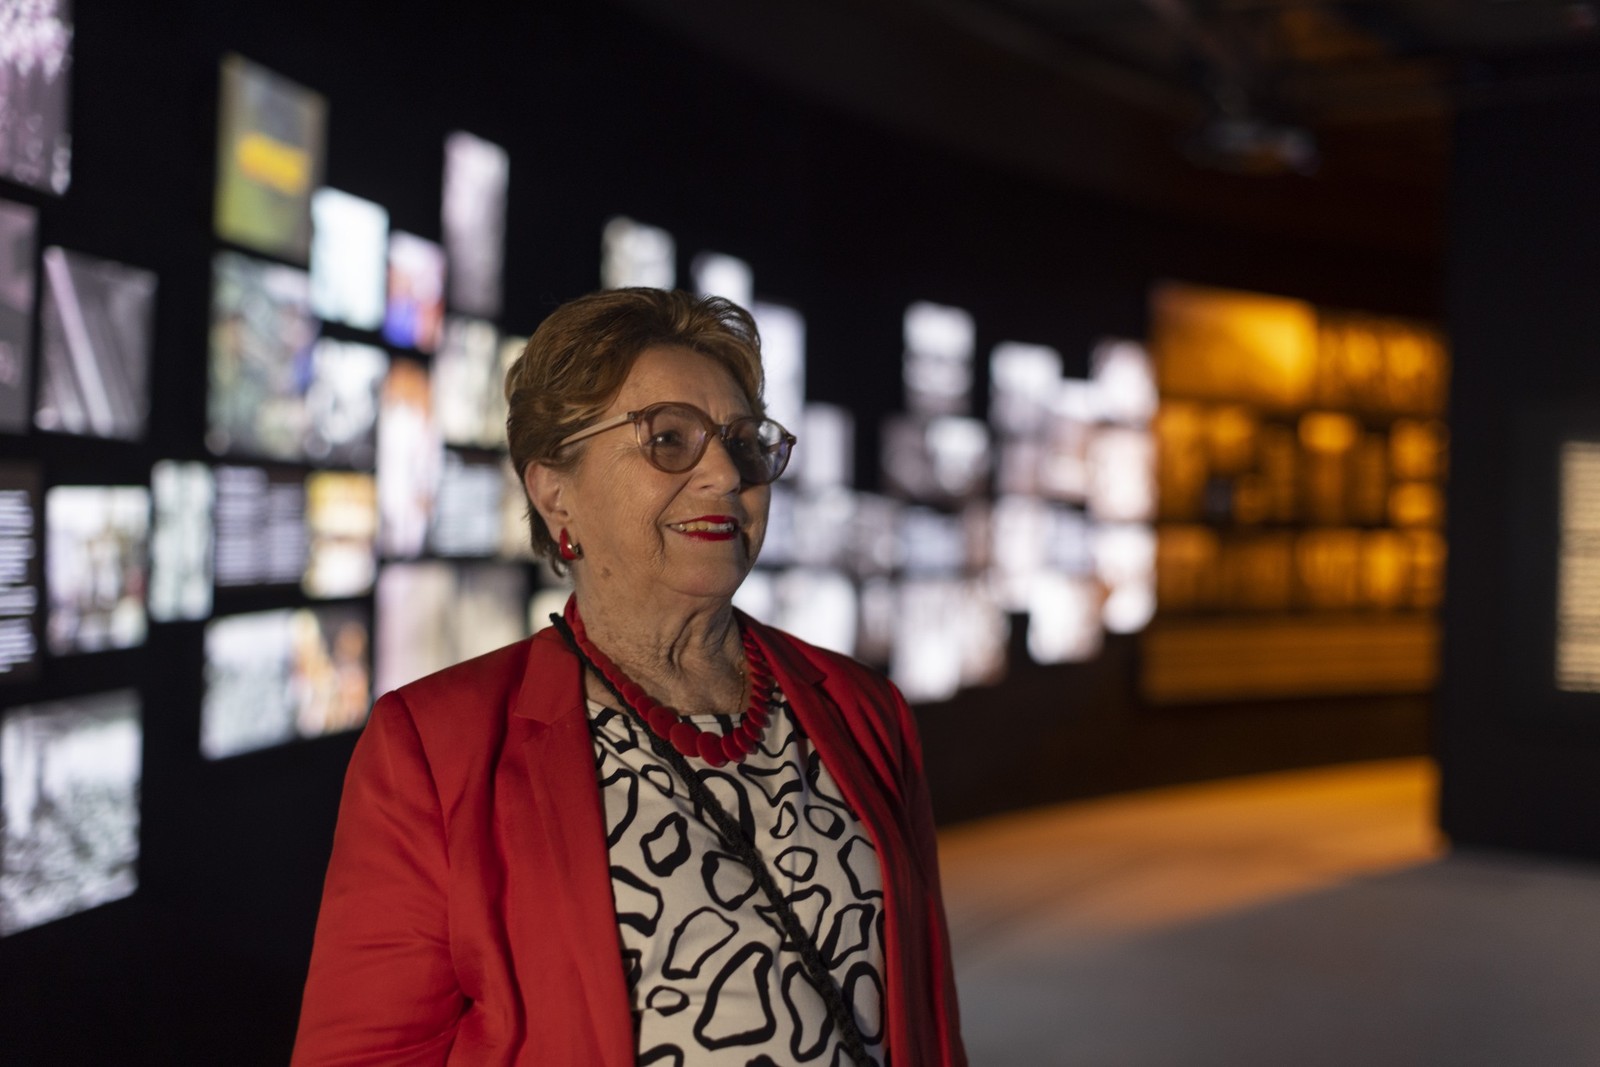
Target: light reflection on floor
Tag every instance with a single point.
(1303, 918)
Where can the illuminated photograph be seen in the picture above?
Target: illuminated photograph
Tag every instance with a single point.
(633, 253)
(96, 569)
(181, 548)
(410, 460)
(20, 594)
(476, 176)
(94, 351)
(349, 259)
(272, 677)
(262, 343)
(937, 364)
(261, 534)
(18, 229)
(433, 614)
(341, 402)
(469, 402)
(467, 513)
(35, 70)
(342, 527)
(69, 807)
(414, 314)
(270, 149)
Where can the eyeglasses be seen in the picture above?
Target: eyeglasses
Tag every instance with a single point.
(673, 436)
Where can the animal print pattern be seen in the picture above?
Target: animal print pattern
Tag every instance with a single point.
(713, 980)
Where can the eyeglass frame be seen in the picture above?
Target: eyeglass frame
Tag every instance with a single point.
(713, 429)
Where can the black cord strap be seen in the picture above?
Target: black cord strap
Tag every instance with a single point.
(739, 843)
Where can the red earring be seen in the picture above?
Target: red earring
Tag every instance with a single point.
(568, 550)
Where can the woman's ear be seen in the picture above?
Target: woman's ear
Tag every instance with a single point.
(546, 488)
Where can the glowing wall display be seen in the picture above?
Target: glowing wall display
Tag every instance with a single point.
(95, 337)
(477, 174)
(1578, 570)
(262, 334)
(433, 614)
(274, 676)
(783, 359)
(633, 253)
(468, 386)
(35, 139)
(410, 458)
(1022, 379)
(829, 432)
(341, 402)
(18, 227)
(181, 543)
(19, 571)
(414, 316)
(270, 147)
(349, 259)
(261, 526)
(342, 528)
(937, 364)
(96, 560)
(466, 518)
(69, 807)
(726, 276)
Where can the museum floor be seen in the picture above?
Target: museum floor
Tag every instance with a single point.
(1306, 919)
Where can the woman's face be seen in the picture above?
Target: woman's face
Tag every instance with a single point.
(644, 532)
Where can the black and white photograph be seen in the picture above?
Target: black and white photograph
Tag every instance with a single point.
(35, 76)
(341, 402)
(469, 401)
(19, 571)
(96, 330)
(96, 566)
(261, 533)
(69, 797)
(476, 175)
(19, 226)
(181, 496)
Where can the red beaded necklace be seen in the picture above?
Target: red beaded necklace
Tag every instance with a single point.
(684, 735)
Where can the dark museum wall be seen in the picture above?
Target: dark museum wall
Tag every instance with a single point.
(604, 114)
(1519, 758)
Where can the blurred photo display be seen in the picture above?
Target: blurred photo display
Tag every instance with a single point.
(18, 229)
(414, 315)
(181, 548)
(819, 606)
(410, 460)
(726, 276)
(632, 253)
(467, 514)
(95, 342)
(1021, 379)
(433, 614)
(341, 402)
(262, 343)
(270, 150)
(19, 571)
(69, 807)
(35, 64)
(783, 358)
(272, 677)
(261, 534)
(342, 527)
(349, 259)
(828, 459)
(468, 385)
(96, 566)
(937, 363)
(477, 174)
(943, 459)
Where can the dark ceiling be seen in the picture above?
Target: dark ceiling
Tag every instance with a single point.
(1328, 121)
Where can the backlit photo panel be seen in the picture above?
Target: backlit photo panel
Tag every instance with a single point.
(414, 317)
(476, 176)
(262, 344)
(18, 229)
(349, 259)
(468, 392)
(341, 402)
(433, 614)
(181, 543)
(20, 594)
(96, 566)
(35, 67)
(270, 150)
(69, 807)
(272, 677)
(342, 526)
(95, 342)
(410, 460)
(633, 253)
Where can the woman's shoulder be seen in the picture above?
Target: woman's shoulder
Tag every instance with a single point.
(486, 682)
(834, 669)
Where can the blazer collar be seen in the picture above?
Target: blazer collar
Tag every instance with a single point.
(552, 683)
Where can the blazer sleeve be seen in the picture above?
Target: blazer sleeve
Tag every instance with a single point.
(924, 839)
(382, 988)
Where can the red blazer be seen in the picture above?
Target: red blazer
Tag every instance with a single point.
(467, 916)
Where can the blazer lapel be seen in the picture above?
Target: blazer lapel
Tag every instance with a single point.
(575, 874)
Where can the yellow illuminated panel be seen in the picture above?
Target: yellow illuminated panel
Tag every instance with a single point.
(1220, 345)
(1578, 576)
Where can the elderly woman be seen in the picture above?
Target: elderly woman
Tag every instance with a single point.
(656, 832)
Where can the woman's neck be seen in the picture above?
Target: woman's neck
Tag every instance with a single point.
(689, 658)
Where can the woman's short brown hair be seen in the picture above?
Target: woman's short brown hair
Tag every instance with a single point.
(577, 360)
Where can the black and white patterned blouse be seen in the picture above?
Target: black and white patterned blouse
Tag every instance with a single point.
(710, 981)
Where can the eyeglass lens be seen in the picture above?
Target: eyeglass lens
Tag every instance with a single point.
(674, 437)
